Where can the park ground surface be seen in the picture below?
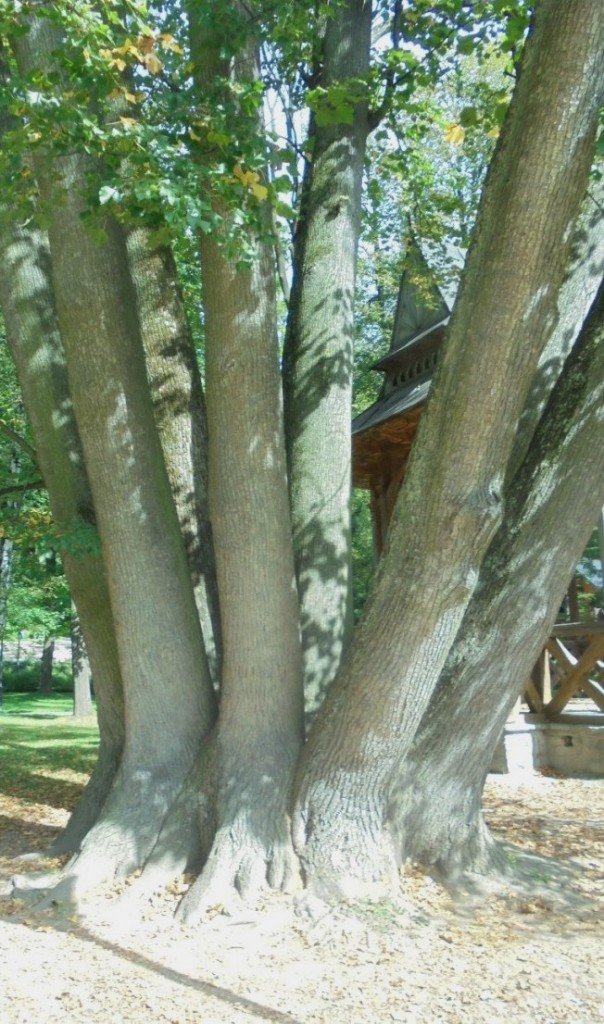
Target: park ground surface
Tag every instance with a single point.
(529, 953)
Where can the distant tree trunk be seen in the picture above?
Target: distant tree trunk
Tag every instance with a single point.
(181, 419)
(6, 549)
(48, 650)
(259, 732)
(450, 506)
(157, 629)
(318, 358)
(82, 674)
(435, 803)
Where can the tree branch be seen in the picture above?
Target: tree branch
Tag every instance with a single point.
(20, 441)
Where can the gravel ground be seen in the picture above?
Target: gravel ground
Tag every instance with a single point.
(529, 954)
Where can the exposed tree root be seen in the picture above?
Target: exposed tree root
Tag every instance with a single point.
(344, 851)
(240, 866)
(118, 844)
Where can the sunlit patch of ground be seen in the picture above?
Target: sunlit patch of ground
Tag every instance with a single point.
(530, 954)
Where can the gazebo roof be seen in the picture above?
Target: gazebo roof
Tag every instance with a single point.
(422, 315)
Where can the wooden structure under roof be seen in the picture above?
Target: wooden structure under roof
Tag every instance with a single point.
(382, 435)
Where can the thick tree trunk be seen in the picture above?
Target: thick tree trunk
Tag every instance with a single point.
(550, 511)
(450, 505)
(318, 360)
(180, 415)
(248, 781)
(578, 291)
(168, 695)
(33, 337)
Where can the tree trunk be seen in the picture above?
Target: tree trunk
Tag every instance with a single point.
(48, 650)
(450, 505)
(82, 674)
(318, 359)
(168, 695)
(33, 337)
(181, 420)
(435, 802)
(247, 785)
(578, 291)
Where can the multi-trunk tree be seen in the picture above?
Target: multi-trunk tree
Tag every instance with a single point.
(216, 774)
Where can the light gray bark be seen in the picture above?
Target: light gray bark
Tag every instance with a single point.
(181, 419)
(550, 511)
(82, 673)
(259, 732)
(319, 356)
(33, 337)
(450, 505)
(579, 288)
(168, 695)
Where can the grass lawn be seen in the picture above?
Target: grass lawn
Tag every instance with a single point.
(46, 755)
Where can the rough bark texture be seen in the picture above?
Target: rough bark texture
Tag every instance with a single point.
(577, 294)
(550, 511)
(248, 779)
(318, 360)
(169, 700)
(181, 419)
(33, 337)
(450, 505)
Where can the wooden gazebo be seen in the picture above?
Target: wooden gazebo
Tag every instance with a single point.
(572, 663)
(382, 435)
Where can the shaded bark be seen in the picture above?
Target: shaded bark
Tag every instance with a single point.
(248, 778)
(550, 510)
(181, 420)
(450, 505)
(33, 337)
(48, 650)
(169, 703)
(319, 355)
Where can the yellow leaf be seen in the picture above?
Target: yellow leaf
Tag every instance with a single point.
(130, 96)
(259, 191)
(169, 43)
(194, 136)
(153, 64)
(494, 133)
(128, 122)
(455, 134)
(251, 180)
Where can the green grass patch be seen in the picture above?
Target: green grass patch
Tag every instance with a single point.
(46, 755)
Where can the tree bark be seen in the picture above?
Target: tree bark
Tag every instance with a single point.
(450, 505)
(550, 511)
(82, 674)
(27, 300)
(180, 415)
(319, 355)
(245, 798)
(169, 700)
(48, 650)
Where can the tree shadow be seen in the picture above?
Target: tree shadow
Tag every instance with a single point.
(225, 995)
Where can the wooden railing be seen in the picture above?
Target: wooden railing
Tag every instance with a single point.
(571, 665)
